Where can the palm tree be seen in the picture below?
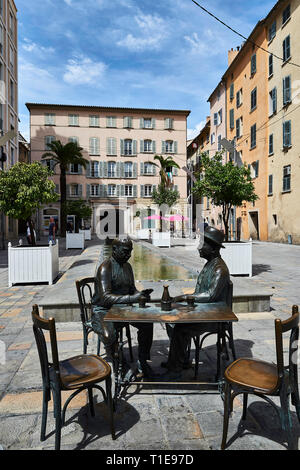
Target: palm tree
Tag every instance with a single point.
(165, 163)
(64, 155)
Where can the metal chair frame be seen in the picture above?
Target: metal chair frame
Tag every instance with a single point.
(52, 379)
(83, 286)
(287, 381)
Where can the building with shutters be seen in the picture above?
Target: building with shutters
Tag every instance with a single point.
(120, 145)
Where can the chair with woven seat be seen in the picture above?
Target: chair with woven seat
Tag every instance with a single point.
(75, 374)
(85, 289)
(263, 379)
(227, 334)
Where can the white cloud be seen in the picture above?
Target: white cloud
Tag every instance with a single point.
(153, 30)
(83, 71)
(192, 133)
(30, 46)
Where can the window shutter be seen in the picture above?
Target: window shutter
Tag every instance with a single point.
(142, 190)
(57, 188)
(122, 169)
(153, 123)
(134, 190)
(134, 147)
(135, 170)
(153, 146)
(256, 168)
(88, 170)
(68, 190)
(141, 146)
(154, 170)
(122, 190)
(118, 190)
(122, 146)
(231, 118)
(80, 169)
(105, 170)
(142, 123)
(101, 190)
(118, 170)
(80, 190)
(175, 147)
(163, 146)
(153, 187)
(142, 168)
(88, 191)
(175, 171)
(215, 119)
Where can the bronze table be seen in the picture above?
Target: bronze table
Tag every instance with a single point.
(179, 313)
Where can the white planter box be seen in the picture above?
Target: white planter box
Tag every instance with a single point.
(28, 264)
(87, 234)
(238, 257)
(74, 240)
(143, 234)
(161, 239)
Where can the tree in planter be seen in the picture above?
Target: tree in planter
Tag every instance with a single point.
(24, 188)
(80, 209)
(63, 156)
(165, 195)
(227, 185)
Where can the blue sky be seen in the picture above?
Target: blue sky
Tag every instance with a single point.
(128, 53)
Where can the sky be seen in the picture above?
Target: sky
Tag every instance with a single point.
(165, 54)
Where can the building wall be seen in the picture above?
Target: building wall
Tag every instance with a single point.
(283, 212)
(253, 217)
(9, 93)
(84, 132)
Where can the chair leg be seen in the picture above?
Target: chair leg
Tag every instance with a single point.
(231, 341)
(91, 401)
(245, 404)
(128, 334)
(85, 341)
(295, 393)
(286, 422)
(98, 346)
(46, 398)
(110, 407)
(58, 417)
(227, 407)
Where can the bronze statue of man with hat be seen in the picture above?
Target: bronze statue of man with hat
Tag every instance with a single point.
(115, 285)
(212, 286)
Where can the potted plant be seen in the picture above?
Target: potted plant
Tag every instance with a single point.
(228, 186)
(81, 211)
(23, 189)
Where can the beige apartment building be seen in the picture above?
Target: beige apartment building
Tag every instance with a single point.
(283, 34)
(120, 145)
(8, 96)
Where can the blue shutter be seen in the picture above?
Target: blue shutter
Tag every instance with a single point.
(134, 190)
(153, 146)
(175, 147)
(141, 168)
(163, 146)
(87, 191)
(134, 147)
(135, 170)
(122, 147)
(142, 190)
(141, 146)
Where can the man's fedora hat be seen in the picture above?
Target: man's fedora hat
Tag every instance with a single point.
(214, 235)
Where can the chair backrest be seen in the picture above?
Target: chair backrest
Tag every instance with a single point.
(39, 326)
(85, 289)
(281, 327)
(229, 294)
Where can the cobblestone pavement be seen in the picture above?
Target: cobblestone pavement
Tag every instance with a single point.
(146, 419)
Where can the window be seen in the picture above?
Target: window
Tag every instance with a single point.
(48, 140)
(286, 14)
(287, 93)
(128, 170)
(1, 39)
(270, 185)
(215, 119)
(253, 136)
(148, 190)
(49, 119)
(148, 168)
(74, 190)
(253, 99)
(147, 146)
(127, 122)
(74, 168)
(73, 120)
(231, 118)
(112, 190)
(286, 181)
(231, 92)
(275, 219)
(128, 190)
(75, 140)
(12, 156)
(169, 123)
(128, 147)
(94, 169)
(220, 116)
(272, 31)
(94, 146)
(270, 65)
(94, 121)
(111, 169)
(219, 142)
(111, 121)
(286, 46)
(12, 122)
(147, 123)
(169, 146)
(94, 190)
(253, 64)
(213, 138)
(287, 134)
(239, 98)
(111, 146)
(11, 25)
(271, 144)
(239, 127)
(273, 101)
(11, 58)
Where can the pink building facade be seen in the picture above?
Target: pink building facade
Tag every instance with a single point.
(120, 145)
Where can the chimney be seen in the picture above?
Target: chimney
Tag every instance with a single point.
(232, 55)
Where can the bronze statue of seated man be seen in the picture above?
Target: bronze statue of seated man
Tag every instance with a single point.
(115, 285)
(212, 286)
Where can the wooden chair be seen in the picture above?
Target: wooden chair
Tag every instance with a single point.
(264, 379)
(85, 290)
(77, 373)
(228, 334)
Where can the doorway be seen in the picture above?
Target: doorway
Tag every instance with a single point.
(254, 225)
